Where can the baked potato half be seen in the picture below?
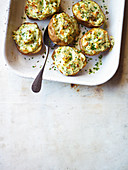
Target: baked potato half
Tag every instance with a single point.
(28, 38)
(88, 13)
(68, 60)
(63, 29)
(41, 9)
(95, 41)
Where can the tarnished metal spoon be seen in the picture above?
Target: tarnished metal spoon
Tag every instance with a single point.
(36, 85)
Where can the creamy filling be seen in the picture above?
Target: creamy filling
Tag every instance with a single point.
(89, 11)
(66, 28)
(69, 60)
(95, 40)
(41, 9)
(28, 37)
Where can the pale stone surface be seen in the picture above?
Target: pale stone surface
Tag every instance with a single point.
(63, 128)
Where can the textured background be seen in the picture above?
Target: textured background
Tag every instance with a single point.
(63, 128)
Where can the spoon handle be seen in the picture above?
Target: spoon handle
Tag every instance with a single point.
(36, 85)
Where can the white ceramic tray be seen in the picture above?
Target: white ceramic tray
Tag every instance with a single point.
(29, 66)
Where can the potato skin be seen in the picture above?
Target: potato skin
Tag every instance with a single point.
(30, 53)
(57, 10)
(85, 62)
(85, 23)
(53, 55)
(52, 35)
(80, 43)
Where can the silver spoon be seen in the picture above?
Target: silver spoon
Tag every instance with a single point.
(36, 85)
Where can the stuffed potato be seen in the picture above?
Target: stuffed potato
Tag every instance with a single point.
(88, 13)
(95, 41)
(41, 9)
(68, 60)
(63, 29)
(28, 38)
